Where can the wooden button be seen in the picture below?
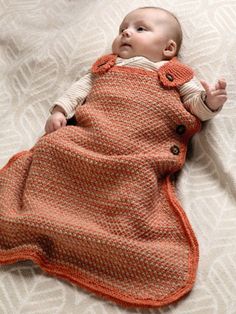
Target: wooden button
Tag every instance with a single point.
(102, 64)
(169, 77)
(175, 150)
(180, 129)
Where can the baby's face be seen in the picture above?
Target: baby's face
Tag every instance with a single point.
(144, 32)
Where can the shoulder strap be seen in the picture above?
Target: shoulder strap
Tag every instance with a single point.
(103, 64)
(174, 73)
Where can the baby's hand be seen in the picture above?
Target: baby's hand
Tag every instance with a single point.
(55, 122)
(216, 95)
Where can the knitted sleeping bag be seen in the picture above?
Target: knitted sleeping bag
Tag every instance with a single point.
(95, 203)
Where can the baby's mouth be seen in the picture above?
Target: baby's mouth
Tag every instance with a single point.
(125, 45)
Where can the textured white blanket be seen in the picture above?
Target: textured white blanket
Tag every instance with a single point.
(44, 47)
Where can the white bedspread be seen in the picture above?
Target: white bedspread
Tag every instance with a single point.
(45, 45)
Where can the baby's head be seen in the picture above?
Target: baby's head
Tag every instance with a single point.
(150, 32)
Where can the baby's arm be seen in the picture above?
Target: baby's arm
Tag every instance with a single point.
(66, 104)
(197, 102)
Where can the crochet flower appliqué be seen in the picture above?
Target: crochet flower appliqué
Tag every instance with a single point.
(103, 64)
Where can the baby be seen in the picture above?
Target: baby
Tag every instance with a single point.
(95, 203)
(148, 38)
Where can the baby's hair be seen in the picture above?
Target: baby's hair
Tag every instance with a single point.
(179, 34)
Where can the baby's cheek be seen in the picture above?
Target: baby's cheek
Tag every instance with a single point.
(144, 41)
(115, 45)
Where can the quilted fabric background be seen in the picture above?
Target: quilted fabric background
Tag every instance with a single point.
(45, 45)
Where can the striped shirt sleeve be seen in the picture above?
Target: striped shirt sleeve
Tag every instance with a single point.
(192, 96)
(75, 95)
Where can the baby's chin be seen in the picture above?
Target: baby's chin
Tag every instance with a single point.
(125, 54)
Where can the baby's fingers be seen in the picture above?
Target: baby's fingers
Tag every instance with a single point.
(222, 84)
(205, 85)
(56, 125)
(219, 92)
(48, 127)
(63, 122)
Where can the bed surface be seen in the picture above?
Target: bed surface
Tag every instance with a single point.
(47, 45)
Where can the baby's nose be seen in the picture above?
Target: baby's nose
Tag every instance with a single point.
(126, 32)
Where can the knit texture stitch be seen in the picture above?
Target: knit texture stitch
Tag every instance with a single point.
(95, 203)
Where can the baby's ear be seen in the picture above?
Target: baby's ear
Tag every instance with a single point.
(170, 50)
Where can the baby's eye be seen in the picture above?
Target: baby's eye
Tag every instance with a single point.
(141, 29)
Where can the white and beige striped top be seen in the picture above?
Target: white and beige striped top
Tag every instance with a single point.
(190, 92)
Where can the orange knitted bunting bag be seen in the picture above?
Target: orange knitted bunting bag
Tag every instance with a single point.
(95, 203)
